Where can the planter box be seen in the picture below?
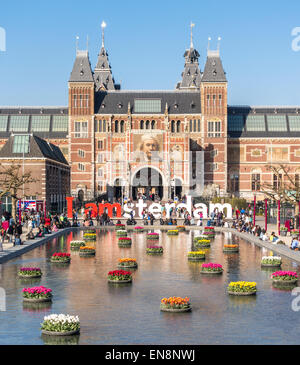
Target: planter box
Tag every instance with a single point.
(284, 282)
(119, 281)
(67, 261)
(188, 309)
(37, 300)
(87, 253)
(196, 258)
(211, 272)
(30, 276)
(283, 233)
(69, 333)
(241, 293)
(127, 267)
(230, 250)
(270, 265)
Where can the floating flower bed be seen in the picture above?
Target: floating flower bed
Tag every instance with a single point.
(119, 276)
(152, 236)
(196, 255)
(30, 272)
(89, 236)
(295, 233)
(37, 294)
(241, 288)
(61, 257)
(175, 304)
(271, 261)
(75, 245)
(231, 248)
(121, 233)
(181, 228)
(127, 263)
(120, 226)
(60, 325)
(139, 229)
(90, 230)
(284, 278)
(154, 249)
(209, 234)
(87, 251)
(124, 241)
(201, 242)
(172, 232)
(211, 268)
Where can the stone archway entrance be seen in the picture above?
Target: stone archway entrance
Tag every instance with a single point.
(147, 181)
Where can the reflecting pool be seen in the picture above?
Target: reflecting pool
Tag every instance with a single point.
(130, 314)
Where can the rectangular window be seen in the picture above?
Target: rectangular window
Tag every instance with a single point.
(19, 123)
(195, 125)
(100, 145)
(75, 101)
(81, 153)
(255, 182)
(100, 125)
(199, 125)
(277, 181)
(276, 123)
(191, 125)
(100, 172)
(297, 180)
(214, 100)
(235, 123)
(220, 100)
(255, 123)
(207, 101)
(81, 167)
(3, 123)
(100, 158)
(40, 123)
(60, 123)
(147, 106)
(21, 144)
(81, 130)
(294, 121)
(214, 129)
(104, 126)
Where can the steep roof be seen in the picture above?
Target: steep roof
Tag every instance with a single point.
(213, 70)
(191, 75)
(82, 71)
(102, 73)
(178, 102)
(38, 148)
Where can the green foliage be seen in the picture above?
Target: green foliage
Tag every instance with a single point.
(238, 203)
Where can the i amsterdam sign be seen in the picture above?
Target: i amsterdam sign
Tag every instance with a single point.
(154, 208)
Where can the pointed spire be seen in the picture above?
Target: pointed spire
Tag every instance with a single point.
(208, 44)
(192, 26)
(103, 26)
(219, 41)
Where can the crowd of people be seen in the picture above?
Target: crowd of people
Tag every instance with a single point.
(243, 222)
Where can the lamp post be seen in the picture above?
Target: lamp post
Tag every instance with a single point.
(266, 214)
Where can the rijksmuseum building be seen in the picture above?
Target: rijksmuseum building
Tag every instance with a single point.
(122, 143)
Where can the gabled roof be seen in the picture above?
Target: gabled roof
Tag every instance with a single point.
(38, 148)
(213, 71)
(82, 71)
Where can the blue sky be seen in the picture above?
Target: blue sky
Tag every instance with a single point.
(146, 42)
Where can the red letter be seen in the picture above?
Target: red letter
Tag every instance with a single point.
(110, 209)
(70, 206)
(94, 209)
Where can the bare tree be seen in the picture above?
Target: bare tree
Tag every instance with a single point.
(13, 182)
(285, 187)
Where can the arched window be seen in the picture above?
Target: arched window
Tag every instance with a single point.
(173, 126)
(178, 126)
(122, 126)
(153, 124)
(147, 124)
(141, 124)
(116, 126)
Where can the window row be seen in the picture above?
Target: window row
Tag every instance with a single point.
(39, 123)
(195, 125)
(81, 101)
(213, 100)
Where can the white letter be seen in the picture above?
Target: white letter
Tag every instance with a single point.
(140, 205)
(127, 209)
(295, 43)
(221, 207)
(155, 209)
(202, 208)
